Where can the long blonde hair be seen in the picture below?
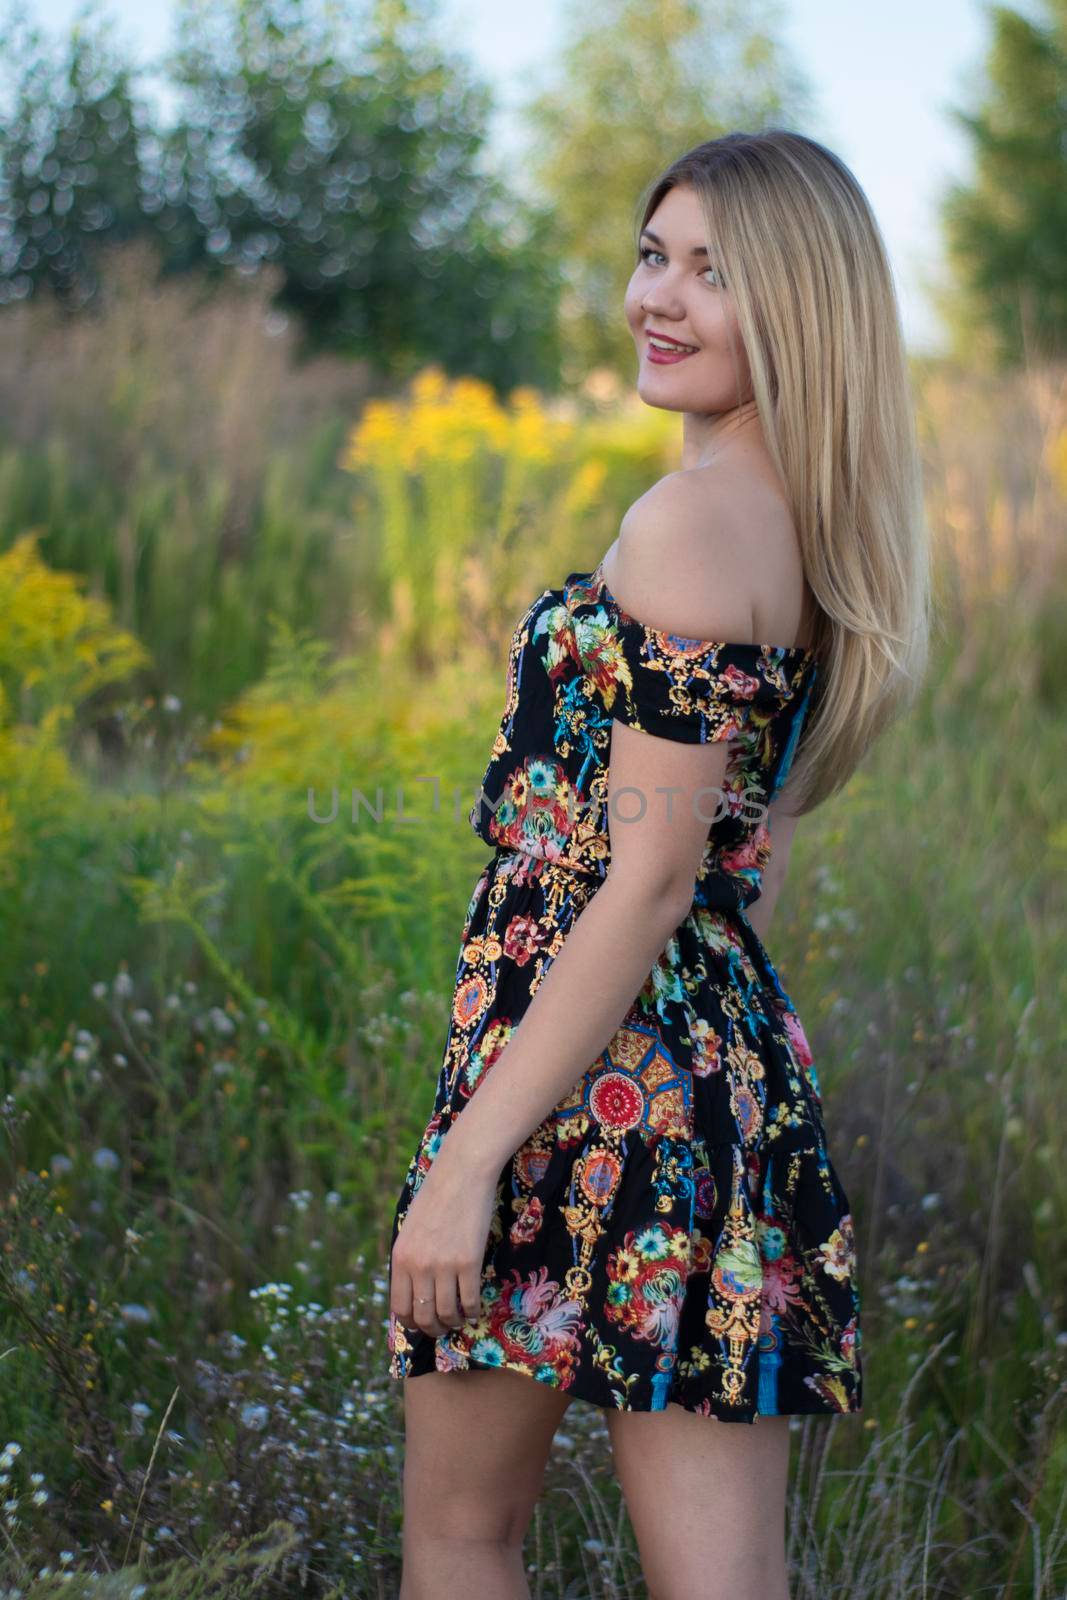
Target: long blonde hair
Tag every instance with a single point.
(802, 256)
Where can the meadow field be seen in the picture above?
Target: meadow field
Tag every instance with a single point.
(231, 584)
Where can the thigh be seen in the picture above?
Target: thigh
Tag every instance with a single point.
(475, 1451)
(705, 1497)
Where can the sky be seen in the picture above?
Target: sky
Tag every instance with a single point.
(883, 81)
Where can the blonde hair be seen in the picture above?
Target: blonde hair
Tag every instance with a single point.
(802, 256)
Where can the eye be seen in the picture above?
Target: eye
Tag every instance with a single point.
(646, 251)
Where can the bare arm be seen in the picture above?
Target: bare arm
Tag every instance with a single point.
(658, 826)
(657, 784)
(609, 951)
(579, 1003)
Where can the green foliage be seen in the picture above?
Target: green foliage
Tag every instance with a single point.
(636, 85)
(1006, 231)
(57, 648)
(224, 1011)
(71, 176)
(345, 149)
(182, 439)
(455, 481)
(205, 481)
(337, 150)
(69, 1293)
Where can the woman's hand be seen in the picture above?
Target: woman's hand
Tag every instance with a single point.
(436, 1272)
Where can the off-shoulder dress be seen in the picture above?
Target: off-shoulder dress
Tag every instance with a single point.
(674, 1230)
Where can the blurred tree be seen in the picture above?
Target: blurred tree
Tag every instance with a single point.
(70, 167)
(1006, 233)
(637, 86)
(338, 144)
(345, 149)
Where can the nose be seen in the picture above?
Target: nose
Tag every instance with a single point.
(660, 302)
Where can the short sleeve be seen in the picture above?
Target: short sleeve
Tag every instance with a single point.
(691, 690)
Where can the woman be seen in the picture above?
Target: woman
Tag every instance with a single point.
(662, 1233)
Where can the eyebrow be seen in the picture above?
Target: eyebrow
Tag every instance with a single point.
(697, 250)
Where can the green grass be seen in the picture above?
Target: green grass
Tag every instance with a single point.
(223, 1022)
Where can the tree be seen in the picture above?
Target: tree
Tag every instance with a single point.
(331, 139)
(70, 167)
(346, 151)
(1006, 232)
(639, 85)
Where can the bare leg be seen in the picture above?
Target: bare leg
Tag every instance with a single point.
(706, 1500)
(476, 1447)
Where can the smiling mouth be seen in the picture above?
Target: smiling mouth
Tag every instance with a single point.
(670, 346)
(667, 355)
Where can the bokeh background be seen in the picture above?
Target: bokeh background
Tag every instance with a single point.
(312, 370)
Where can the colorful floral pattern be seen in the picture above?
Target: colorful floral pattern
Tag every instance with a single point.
(674, 1231)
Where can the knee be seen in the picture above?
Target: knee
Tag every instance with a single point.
(455, 1522)
(460, 1561)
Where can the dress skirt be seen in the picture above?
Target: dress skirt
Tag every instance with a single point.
(674, 1230)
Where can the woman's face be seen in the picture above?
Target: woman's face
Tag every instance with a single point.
(676, 290)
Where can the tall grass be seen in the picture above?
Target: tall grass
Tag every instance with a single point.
(223, 1018)
(174, 451)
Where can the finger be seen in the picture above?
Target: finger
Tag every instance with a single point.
(401, 1294)
(470, 1293)
(426, 1314)
(448, 1306)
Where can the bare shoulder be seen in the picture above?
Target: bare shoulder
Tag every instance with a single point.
(712, 553)
(676, 564)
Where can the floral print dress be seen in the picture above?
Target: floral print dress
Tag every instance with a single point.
(674, 1230)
